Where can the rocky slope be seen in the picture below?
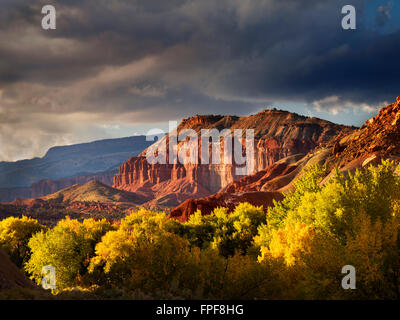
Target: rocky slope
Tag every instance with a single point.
(93, 191)
(278, 134)
(11, 276)
(379, 137)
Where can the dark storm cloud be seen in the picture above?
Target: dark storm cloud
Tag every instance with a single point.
(153, 60)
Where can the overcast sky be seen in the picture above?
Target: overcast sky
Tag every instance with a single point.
(116, 68)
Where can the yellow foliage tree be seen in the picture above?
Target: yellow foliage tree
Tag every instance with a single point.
(14, 237)
(289, 243)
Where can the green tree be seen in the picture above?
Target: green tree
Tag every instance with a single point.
(352, 219)
(309, 182)
(68, 247)
(235, 231)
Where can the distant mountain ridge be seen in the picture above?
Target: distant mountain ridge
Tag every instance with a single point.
(47, 186)
(74, 160)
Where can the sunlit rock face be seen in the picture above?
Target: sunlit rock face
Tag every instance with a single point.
(375, 141)
(277, 134)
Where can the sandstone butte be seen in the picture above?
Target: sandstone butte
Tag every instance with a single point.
(278, 135)
(376, 140)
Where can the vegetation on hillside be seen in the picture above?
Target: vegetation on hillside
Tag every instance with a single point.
(92, 191)
(295, 251)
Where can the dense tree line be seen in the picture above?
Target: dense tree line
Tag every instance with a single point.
(295, 251)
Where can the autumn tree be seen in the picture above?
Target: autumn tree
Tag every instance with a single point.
(68, 247)
(14, 237)
(350, 220)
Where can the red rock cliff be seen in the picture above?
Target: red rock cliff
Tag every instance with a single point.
(278, 134)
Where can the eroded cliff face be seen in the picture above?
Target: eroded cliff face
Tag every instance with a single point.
(137, 174)
(277, 134)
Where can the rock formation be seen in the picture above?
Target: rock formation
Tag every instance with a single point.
(278, 134)
(260, 188)
(377, 140)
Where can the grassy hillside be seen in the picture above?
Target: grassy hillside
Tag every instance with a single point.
(93, 191)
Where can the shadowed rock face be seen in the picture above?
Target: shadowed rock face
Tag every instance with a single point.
(11, 276)
(278, 134)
